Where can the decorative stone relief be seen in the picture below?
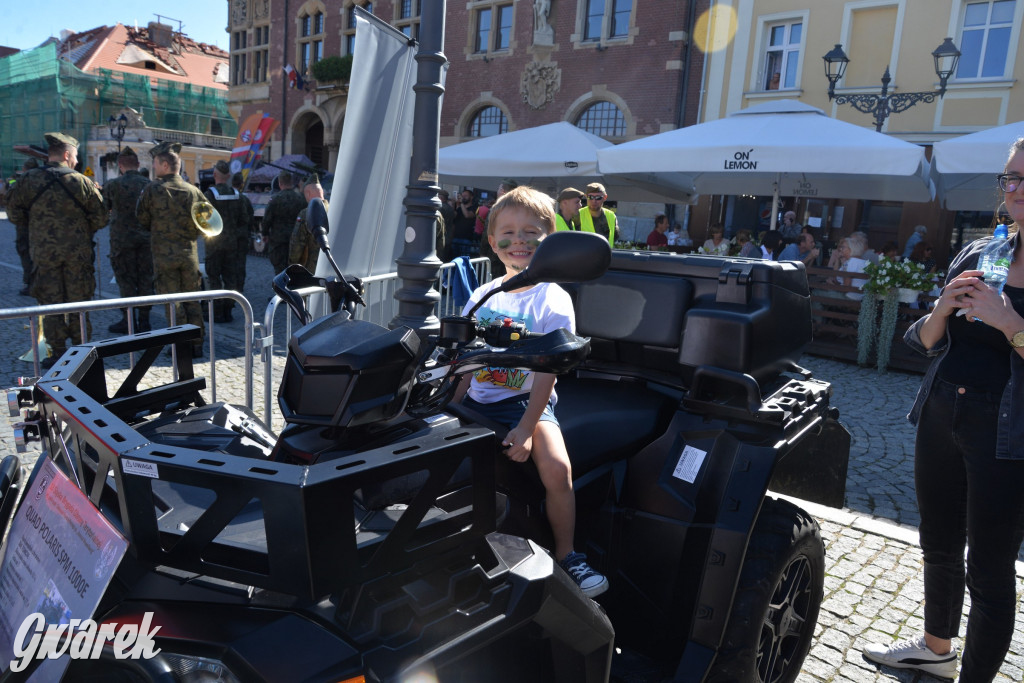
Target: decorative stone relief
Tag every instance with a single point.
(261, 9)
(239, 12)
(539, 84)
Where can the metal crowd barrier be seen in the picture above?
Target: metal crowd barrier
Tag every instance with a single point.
(84, 307)
(381, 307)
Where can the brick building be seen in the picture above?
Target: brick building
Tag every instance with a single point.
(618, 68)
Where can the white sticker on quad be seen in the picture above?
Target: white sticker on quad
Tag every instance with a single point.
(139, 468)
(689, 464)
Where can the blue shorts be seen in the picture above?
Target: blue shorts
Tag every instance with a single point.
(510, 410)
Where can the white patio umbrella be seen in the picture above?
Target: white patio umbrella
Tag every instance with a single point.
(549, 158)
(779, 148)
(964, 168)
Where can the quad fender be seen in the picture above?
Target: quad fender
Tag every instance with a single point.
(699, 505)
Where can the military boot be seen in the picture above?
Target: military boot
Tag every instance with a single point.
(142, 319)
(121, 326)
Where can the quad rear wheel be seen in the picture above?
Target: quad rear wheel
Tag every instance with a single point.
(777, 599)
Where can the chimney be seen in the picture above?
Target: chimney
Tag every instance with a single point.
(161, 34)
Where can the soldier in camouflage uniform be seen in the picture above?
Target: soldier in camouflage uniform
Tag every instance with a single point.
(249, 213)
(165, 209)
(63, 210)
(21, 236)
(279, 219)
(302, 247)
(130, 256)
(225, 267)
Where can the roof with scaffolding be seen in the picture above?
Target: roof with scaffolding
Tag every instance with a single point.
(47, 88)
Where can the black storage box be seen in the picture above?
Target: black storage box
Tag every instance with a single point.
(672, 313)
(342, 372)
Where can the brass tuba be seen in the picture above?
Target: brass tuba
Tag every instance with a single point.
(207, 219)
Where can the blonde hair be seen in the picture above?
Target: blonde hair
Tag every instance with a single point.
(524, 197)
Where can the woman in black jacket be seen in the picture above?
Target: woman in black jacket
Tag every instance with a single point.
(969, 459)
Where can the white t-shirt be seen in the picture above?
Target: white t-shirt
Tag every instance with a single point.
(542, 308)
(854, 265)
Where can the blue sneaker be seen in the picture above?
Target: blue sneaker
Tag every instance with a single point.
(590, 582)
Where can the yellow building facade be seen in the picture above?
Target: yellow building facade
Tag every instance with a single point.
(759, 50)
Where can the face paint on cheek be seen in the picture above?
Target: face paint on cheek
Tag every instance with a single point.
(504, 244)
(534, 243)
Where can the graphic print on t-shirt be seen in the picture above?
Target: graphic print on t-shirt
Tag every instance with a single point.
(508, 378)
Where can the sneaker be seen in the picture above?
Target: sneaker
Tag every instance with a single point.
(590, 582)
(913, 654)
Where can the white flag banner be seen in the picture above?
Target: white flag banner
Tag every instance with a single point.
(372, 172)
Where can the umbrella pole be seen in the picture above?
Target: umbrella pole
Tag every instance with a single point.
(775, 202)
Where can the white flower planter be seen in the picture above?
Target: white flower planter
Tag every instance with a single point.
(908, 296)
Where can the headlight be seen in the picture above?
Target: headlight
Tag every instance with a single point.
(199, 669)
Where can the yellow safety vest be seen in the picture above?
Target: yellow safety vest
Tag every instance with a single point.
(587, 222)
(560, 223)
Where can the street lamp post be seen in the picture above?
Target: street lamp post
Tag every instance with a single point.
(117, 126)
(945, 55)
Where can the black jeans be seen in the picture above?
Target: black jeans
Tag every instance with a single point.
(967, 496)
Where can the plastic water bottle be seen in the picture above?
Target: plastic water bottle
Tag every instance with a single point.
(995, 261)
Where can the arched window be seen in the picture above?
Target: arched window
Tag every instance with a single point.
(603, 119)
(488, 121)
(350, 24)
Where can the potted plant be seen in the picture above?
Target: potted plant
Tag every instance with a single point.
(889, 274)
(333, 69)
(893, 282)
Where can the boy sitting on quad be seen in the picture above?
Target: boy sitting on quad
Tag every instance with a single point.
(522, 399)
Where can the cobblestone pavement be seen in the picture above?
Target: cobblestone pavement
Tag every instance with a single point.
(873, 585)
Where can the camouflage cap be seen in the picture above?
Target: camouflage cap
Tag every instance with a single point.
(569, 193)
(222, 167)
(311, 179)
(164, 147)
(60, 139)
(127, 152)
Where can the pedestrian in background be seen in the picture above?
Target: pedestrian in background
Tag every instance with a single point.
(570, 200)
(969, 459)
(165, 209)
(248, 223)
(443, 242)
(223, 270)
(594, 217)
(919, 233)
(279, 219)
(790, 229)
(465, 241)
(302, 248)
(63, 210)
(21, 235)
(131, 258)
(657, 238)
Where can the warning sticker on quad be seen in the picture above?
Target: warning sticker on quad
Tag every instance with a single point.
(689, 464)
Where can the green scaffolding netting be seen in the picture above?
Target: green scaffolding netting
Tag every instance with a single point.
(43, 93)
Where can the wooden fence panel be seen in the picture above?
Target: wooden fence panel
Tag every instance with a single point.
(835, 321)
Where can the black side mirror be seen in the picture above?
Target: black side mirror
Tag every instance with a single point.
(561, 257)
(290, 279)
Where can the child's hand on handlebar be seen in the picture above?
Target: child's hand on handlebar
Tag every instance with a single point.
(519, 443)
